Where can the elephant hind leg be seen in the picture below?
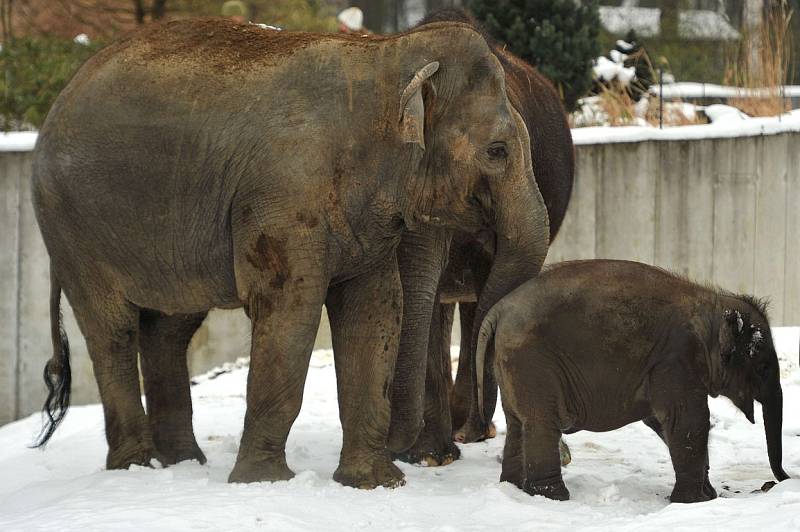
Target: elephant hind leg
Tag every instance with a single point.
(163, 341)
(542, 460)
(513, 459)
(111, 326)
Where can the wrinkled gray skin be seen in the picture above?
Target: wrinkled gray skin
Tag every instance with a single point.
(595, 345)
(203, 164)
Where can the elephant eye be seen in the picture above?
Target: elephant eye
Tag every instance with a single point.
(497, 151)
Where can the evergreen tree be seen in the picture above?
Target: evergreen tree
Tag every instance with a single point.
(559, 37)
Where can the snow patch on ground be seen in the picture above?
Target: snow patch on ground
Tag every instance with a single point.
(619, 480)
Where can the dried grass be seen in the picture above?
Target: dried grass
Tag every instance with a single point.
(762, 64)
(620, 109)
(617, 104)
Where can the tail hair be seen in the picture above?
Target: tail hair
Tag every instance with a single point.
(57, 372)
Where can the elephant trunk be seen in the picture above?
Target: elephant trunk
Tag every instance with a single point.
(421, 257)
(523, 236)
(772, 408)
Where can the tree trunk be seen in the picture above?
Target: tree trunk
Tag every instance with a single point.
(139, 11)
(159, 9)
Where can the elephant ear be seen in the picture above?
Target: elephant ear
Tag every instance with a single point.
(412, 107)
(732, 335)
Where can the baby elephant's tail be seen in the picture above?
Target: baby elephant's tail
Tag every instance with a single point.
(57, 372)
(485, 336)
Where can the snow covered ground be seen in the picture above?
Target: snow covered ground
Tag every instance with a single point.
(619, 480)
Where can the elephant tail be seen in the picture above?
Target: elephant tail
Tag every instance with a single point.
(485, 336)
(57, 371)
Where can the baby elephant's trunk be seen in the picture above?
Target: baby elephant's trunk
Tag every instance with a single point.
(772, 408)
(485, 344)
(57, 372)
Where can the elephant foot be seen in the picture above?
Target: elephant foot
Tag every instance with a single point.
(138, 453)
(368, 474)
(513, 476)
(692, 494)
(551, 488)
(563, 452)
(431, 456)
(174, 453)
(709, 491)
(265, 470)
(471, 432)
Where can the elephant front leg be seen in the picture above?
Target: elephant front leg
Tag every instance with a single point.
(365, 314)
(708, 488)
(284, 326)
(435, 446)
(685, 431)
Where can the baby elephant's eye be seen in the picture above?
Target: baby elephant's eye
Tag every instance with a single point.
(497, 151)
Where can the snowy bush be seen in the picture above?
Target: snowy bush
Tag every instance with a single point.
(559, 37)
(35, 69)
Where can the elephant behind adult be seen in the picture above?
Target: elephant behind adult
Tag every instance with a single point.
(464, 278)
(203, 163)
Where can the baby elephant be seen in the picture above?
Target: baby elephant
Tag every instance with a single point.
(595, 345)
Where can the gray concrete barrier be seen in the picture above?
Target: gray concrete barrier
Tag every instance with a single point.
(720, 210)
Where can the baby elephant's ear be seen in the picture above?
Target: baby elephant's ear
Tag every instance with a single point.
(412, 107)
(730, 331)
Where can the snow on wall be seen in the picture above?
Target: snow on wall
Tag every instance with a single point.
(691, 89)
(17, 141)
(726, 126)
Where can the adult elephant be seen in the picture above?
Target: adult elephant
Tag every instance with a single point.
(203, 163)
(468, 279)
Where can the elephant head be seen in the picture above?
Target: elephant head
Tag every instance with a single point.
(749, 370)
(474, 175)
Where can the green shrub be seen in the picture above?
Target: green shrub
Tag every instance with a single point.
(559, 37)
(34, 70)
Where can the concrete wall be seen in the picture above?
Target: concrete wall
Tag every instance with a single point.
(722, 210)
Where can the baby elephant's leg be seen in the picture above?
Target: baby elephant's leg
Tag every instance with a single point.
(543, 461)
(513, 461)
(708, 489)
(685, 430)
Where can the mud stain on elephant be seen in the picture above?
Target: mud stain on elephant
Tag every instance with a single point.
(269, 254)
(309, 220)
